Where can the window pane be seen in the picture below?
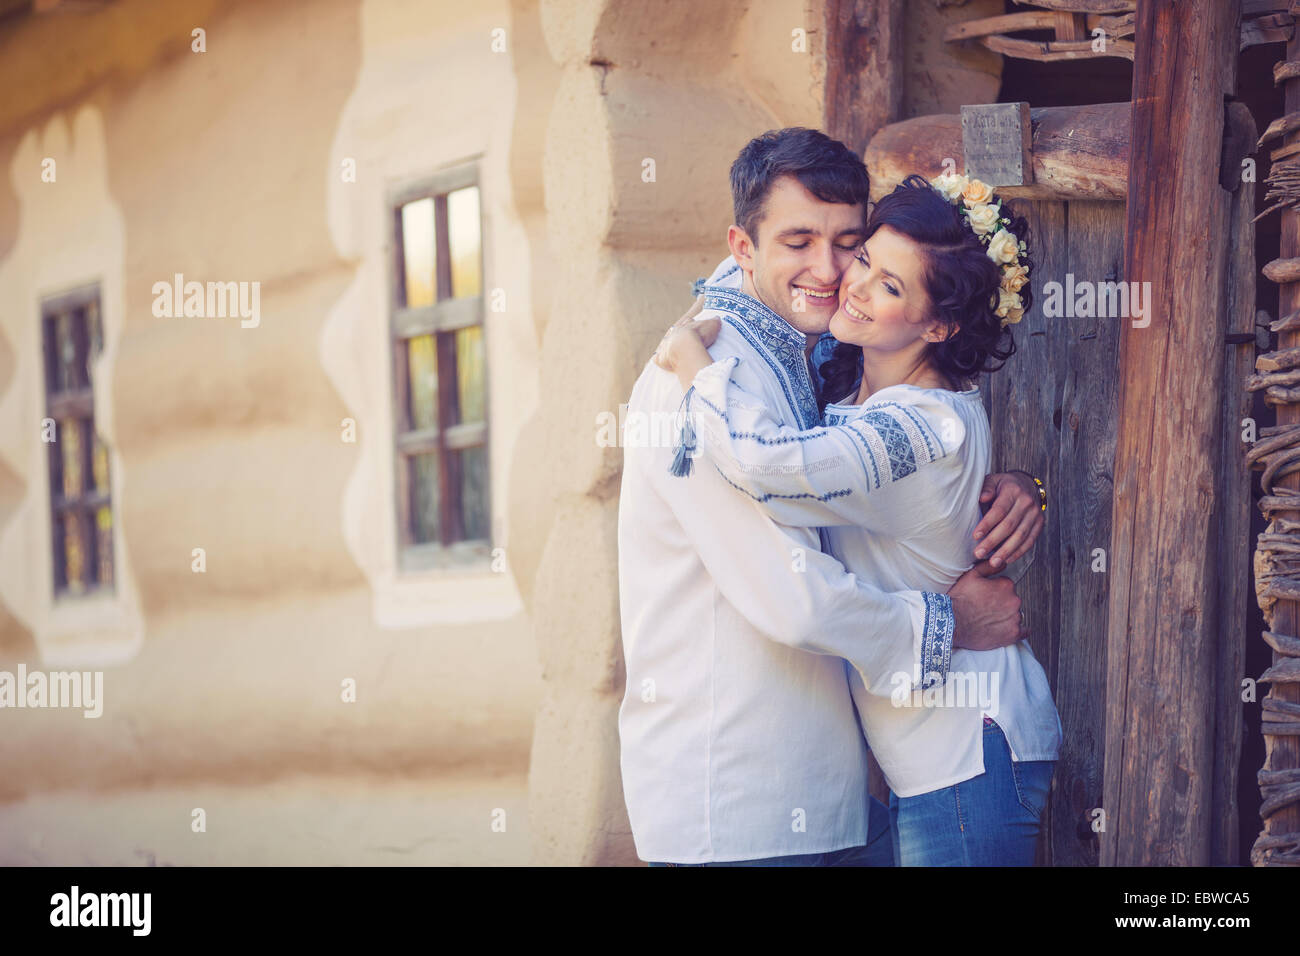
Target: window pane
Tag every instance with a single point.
(425, 499)
(50, 339)
(104, 545)
(99, 466)
(474, 492)
(74, 547)
(465, 241)
(418, 251)
(469, 373)
(65, 347)
(422, 369)
(69, 434)
(95, 336)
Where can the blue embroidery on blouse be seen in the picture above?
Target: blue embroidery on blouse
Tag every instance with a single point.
(936, 639)
(898, 446)
(779, 343)
(769, 497)
(898, 433)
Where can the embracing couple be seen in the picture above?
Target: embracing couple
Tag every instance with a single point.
(806, 573)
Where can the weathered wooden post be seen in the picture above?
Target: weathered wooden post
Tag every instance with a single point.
(1164, 541)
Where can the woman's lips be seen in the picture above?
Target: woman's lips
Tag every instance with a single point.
(853, 313)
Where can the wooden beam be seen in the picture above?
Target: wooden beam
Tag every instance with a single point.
(864, 68)
(1164, 599)
(1078, 152)
(863, 91)
(1234, 511)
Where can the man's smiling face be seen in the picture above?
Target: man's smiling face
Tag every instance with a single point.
(803, 247)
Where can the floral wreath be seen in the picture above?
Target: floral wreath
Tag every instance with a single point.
(983, 213)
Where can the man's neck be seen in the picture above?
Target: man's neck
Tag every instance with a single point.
(747, 286)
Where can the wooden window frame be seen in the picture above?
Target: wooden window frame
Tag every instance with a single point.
(78, 404)
(445, 315)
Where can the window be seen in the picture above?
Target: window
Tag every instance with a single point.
(439, 373)
(81, 508)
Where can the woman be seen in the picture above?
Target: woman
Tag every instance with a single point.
(894, 476)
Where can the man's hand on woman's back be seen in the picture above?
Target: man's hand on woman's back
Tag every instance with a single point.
(1014, 519)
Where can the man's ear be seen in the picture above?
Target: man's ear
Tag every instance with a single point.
(742, 248)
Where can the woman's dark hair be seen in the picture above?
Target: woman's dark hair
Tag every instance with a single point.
(960, 278)
(826, 167)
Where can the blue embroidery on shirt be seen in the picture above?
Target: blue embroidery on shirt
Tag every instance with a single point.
(779, 343)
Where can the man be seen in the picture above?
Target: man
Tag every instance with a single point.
(740, 743)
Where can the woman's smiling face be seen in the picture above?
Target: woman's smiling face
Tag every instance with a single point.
(883, 301)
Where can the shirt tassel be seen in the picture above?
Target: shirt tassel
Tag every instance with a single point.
(681, 466)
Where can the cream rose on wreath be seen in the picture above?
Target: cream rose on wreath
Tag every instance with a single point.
(976, 192)
(1004, 247)
(1010, 306)
(1014, 277)
(951, 185)
(983, 218)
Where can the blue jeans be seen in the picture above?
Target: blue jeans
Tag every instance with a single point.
(989, 820)
(877, 851)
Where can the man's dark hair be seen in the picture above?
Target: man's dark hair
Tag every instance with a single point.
(826, 167)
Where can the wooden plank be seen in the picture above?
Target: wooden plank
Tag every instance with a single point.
(1023, 400)
(1078, 152)
(1162, 623)
(863, 89)
(1276, 28)
(1006, 23)
(1234, 496)
(1085, 6)
(1085, 465)
(1052, 51)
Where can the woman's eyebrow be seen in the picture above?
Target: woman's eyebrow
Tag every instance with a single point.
(894, 277)
(885, 271)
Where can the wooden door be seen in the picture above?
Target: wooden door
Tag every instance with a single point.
(1052, 413)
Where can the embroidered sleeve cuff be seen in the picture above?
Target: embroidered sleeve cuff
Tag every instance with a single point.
(936, 639)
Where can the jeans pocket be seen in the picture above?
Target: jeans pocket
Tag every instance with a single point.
(1033, 783)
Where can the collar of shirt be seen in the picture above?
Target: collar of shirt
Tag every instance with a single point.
(777, 341)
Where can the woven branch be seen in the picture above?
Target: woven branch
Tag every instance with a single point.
(1285, 645)
(1287, 670)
